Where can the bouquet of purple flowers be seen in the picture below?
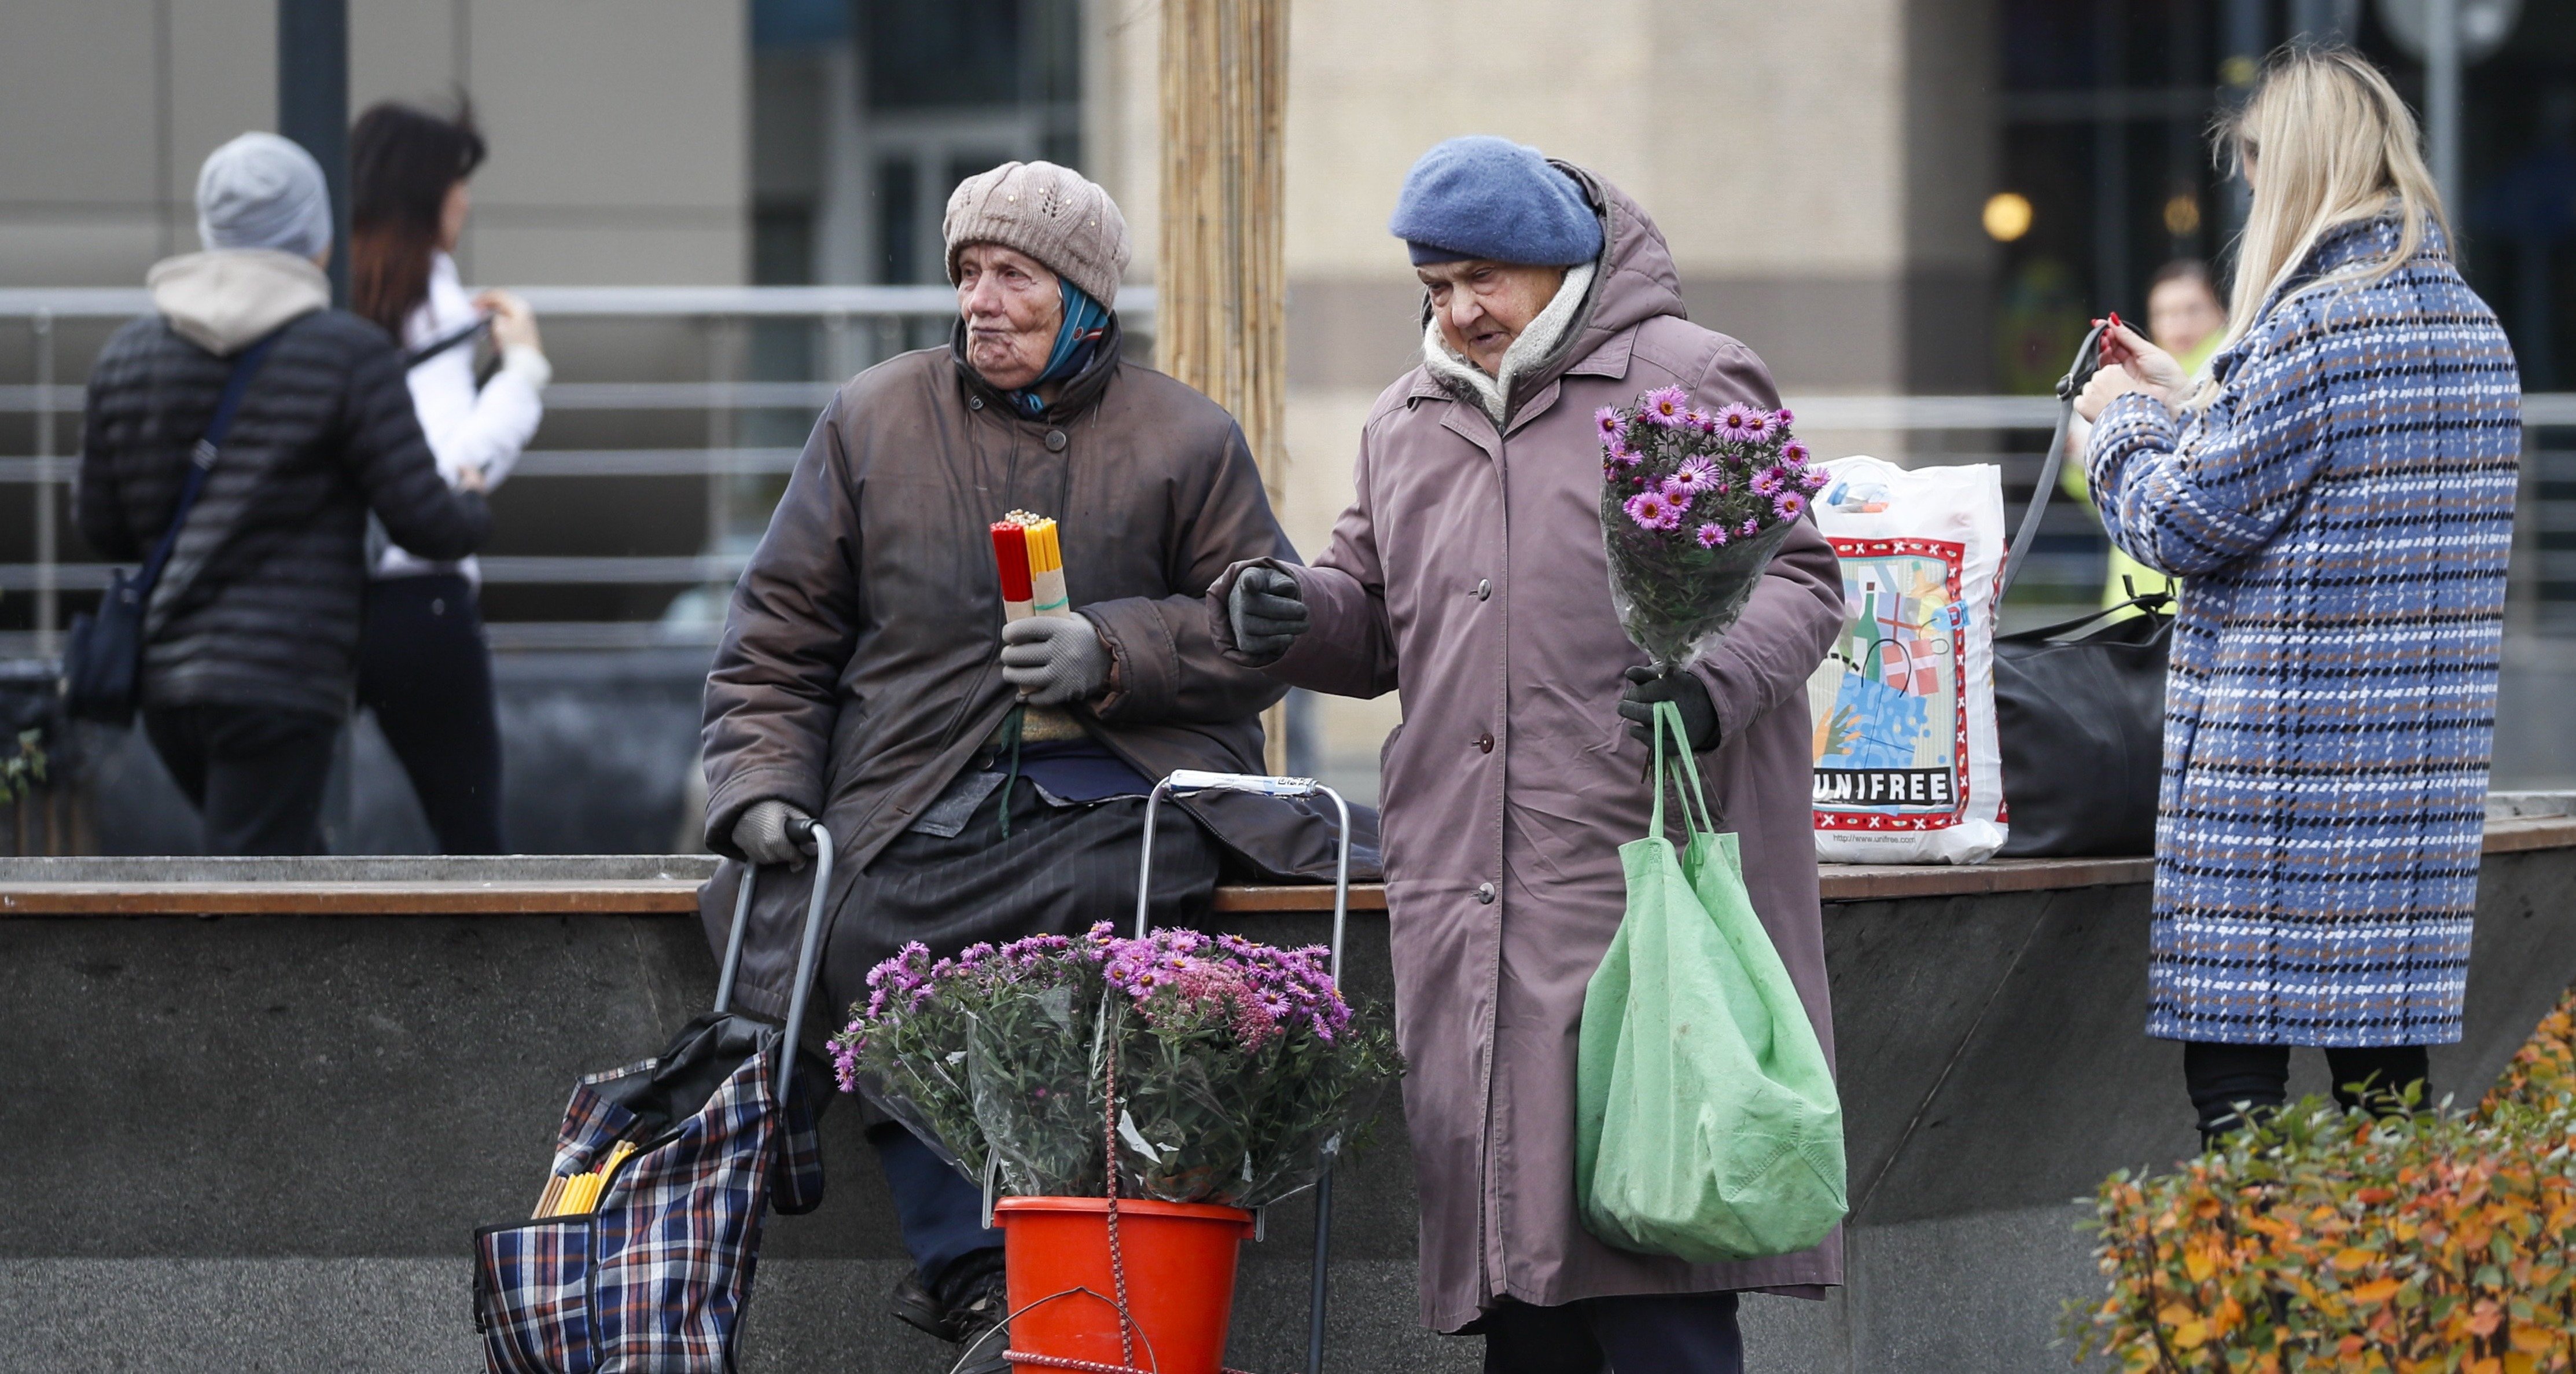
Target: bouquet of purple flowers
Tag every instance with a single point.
(1693, 505)
(1236, 1062)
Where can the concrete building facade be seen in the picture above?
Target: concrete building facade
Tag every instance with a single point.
(620, 129)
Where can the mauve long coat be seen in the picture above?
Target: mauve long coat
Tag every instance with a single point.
(1470, 572)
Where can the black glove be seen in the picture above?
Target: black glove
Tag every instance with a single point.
(1267, 613)
(1682, 688)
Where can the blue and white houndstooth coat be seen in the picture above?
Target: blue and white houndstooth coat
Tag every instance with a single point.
(2341, 515)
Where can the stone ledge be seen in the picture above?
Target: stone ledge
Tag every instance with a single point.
(661, 884)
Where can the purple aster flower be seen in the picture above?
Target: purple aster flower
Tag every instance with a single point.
(1749, 528)
(1667, 406)
(1796, 453)
(1813, 480)
(1653, 510)
(1610, 421)
(1712, 535)
(1700, 420)
(1618, 451)
(1733, 421)
(1789, 506)
(1696, 474)
(1759, 427)
(1770, 482)
(1677, 491)
(1783, 416)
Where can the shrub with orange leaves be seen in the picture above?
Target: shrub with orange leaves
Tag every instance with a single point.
(2320, 1241)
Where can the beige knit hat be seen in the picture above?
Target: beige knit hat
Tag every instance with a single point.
(1051, 213)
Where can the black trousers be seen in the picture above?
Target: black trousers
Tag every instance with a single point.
(2221, 1077)
(1680, 1333)
(424, 670)
(256, 774)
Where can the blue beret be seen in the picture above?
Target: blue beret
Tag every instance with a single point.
(1487, 197)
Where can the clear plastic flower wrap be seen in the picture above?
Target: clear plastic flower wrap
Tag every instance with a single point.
(1239, 1065)
(1032, 1071)
(1693, 506)
(911, 1058)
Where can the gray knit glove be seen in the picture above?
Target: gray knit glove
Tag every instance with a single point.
(763, 834)
(1054, 659)
(1267, 612)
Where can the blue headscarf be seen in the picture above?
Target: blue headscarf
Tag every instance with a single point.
(1086, 323)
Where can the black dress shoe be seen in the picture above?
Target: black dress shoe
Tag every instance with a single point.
(913, 1303)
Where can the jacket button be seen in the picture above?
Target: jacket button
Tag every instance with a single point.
(974, 403)
(1484, 744)
(1485, 893)
(1484, 588)
(1055, 441)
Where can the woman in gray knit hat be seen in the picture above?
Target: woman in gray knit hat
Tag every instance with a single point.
(986, 782)
(251, 631)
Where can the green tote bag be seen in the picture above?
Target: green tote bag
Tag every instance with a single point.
(1706, 1122)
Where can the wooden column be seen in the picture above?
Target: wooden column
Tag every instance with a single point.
(1222, 321)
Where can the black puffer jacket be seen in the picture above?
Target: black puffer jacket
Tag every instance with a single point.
(259, 605)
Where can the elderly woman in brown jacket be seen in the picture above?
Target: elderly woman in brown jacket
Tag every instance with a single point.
(1469, 570)
(865, 674)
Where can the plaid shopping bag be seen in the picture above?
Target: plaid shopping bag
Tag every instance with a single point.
(657, 1274)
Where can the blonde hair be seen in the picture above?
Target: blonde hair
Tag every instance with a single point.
(2324, 142)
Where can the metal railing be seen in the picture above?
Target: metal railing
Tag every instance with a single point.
(856, 325)
(853, 326)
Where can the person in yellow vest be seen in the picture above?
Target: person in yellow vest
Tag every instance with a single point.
(2186, 318)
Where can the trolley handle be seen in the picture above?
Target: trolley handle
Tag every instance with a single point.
(1195, 780)
(801, 829)
(1192, 780)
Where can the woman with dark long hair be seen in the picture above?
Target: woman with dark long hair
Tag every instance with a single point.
(422, 664)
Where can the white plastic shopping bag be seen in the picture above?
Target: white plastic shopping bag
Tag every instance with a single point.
(1904, 704)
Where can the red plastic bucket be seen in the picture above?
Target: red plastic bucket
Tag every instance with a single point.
(1180, 1279)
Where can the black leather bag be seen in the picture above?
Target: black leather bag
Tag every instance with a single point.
(103, 654)
(2080, 717)
(2081, 721)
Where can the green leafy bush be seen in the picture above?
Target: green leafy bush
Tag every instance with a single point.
(2325, 1241)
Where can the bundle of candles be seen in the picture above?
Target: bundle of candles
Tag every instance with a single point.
(577, 1195)
(1032, 564)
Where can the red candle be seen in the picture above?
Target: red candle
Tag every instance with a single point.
(1011, 554)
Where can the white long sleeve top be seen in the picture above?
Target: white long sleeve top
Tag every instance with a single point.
(466, 428)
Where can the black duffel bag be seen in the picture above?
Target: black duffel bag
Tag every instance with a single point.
(2081, 721)
(2080, 717)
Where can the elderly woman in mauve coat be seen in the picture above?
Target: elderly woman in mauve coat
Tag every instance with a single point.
(2337, 494)
(1470, 570)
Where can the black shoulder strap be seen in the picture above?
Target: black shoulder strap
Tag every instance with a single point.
(445, 342)
(201, 460)
(2088, 358)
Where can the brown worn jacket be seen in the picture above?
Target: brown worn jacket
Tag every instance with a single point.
(1469, 571)
(860, 667)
